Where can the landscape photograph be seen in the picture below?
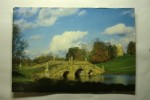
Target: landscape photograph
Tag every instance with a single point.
(74, 50)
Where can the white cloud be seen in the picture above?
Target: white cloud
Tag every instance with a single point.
(82, 13)
(48, 17)
(26, 12)
(123, 41)
(27, 52)
(23, 24)
(36, 52)
(63, 12)
(66, 40)
(119, 29)
(45, 16)
(47, 21)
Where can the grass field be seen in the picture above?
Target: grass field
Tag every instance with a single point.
(120, 65)
(26, 74)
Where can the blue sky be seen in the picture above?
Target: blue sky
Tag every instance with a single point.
(57, 29)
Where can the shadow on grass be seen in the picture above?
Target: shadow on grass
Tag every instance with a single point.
(17, 74)
(46, 85)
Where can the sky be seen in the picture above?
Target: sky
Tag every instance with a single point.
(54, 30)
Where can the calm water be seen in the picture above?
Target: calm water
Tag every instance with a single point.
(110, 79)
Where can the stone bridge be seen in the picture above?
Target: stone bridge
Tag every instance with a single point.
(69, 69)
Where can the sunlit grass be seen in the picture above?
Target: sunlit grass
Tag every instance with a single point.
(26, 74)
(125, 64)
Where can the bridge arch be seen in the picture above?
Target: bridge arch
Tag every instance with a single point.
(90, 72)
(65, 74)
(77, 73)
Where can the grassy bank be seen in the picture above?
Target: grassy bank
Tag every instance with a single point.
(120, 65)
(26, 74)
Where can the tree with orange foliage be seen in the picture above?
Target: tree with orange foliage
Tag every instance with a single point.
(99, 52)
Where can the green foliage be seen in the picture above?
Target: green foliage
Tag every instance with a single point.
(26, 61)
(131, 48)
(43, 59)
(112, 51)
(26, 74)
(18, 46)
(76, 53)
(46, 58)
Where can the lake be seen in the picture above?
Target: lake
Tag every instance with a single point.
(110, 79)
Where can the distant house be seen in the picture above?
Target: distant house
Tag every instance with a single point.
(120, 51)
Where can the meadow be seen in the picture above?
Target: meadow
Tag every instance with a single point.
(121, 65)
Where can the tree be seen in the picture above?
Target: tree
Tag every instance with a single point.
(43, 58)
(76, 53)
(99, 52)
(18, 46)
(131, 48)
(112, 51)
(26, 61)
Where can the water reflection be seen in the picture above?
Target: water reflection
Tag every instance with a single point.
(98, 78)
(119, 79)
(107, 79)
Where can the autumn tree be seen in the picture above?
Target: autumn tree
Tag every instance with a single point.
(131, 48)
(18, 46)
(99, 52)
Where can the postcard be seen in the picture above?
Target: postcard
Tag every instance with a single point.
(74, 50)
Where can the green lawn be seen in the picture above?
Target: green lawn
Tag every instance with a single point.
(120, 65)
(25, 74)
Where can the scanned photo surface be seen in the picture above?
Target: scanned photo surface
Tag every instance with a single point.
(73, 50)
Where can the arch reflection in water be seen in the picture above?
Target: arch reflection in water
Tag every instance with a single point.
(92, 78)
(77, 74)
(90, 72)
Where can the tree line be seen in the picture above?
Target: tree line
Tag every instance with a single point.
(101, 52)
